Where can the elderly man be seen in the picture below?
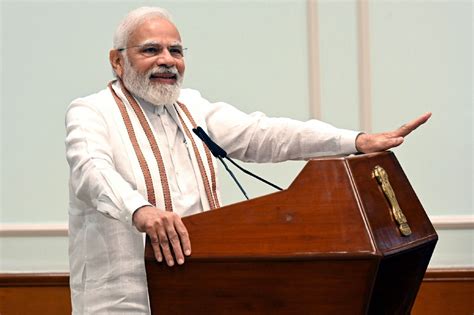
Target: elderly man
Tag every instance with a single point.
(136, 168)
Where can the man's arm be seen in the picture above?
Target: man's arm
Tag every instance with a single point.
(367, 143)
(96, 182)
(266, 139)
(258, 138)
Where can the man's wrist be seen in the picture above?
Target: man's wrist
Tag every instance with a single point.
(136, 210)
(359, 141)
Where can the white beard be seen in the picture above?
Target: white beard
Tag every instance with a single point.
(156, 94)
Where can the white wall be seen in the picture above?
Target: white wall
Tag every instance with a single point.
(253, 54)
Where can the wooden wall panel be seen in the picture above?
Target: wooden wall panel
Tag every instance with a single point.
(44, 293)
(443, 291)
(446, 291)
(35, 300)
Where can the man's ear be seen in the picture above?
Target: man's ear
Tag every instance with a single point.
(116, 61)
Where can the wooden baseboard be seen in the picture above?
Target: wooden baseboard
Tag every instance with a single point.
(34, 280)
(443, 291)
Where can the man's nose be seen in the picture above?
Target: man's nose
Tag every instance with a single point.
(165, 59)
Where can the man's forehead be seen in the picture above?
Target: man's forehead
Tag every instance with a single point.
(156, 29)
(159, 43)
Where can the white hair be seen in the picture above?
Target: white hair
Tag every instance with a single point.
(133, 20)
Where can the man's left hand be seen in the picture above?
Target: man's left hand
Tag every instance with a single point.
(377, 142)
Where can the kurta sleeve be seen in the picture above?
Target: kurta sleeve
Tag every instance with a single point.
(93, 177)
(258, 138)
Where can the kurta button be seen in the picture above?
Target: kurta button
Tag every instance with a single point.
(159, 110)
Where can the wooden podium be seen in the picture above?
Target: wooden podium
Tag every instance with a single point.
(349, 236)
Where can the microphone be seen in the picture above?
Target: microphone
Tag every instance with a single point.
(220, 153)
(216, 150)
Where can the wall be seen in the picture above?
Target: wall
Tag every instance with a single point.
(255, 55)
(407, 58)
(422, 61)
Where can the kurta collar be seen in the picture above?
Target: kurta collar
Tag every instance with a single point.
(151, 108)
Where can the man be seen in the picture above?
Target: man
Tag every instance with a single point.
(136, 168)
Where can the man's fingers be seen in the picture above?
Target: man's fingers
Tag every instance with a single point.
(391, 143)
(178, 237)
(412, 125)
(183, 236)
(165, 247)
(176, 245)
(155, 243)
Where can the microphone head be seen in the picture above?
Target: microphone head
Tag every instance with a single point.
(216, 150)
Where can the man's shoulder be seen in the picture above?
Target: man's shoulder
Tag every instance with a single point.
(95, 98)
(100, 102)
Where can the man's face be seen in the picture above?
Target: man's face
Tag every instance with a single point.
(153, 65)
(162, 33)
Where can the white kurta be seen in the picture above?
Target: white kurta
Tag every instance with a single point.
(107, 273)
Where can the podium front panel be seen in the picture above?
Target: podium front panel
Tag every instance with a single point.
(262, 287)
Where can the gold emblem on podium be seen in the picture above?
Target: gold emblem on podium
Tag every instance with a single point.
(382, 178)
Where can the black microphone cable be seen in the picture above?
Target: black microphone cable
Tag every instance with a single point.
(221, 154)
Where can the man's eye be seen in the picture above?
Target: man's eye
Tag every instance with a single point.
(149, 50)
(176, 51)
